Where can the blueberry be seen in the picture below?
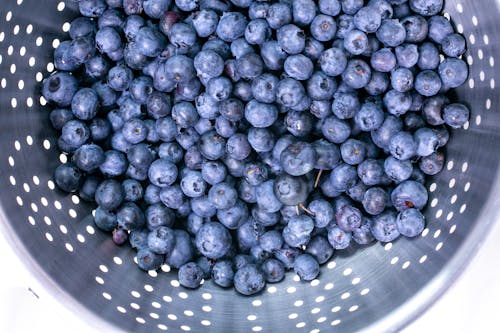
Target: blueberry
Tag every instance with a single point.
(382, 136)
(179, 68)
(306, 267)
(410, 223)
(391, 33)
(155, 8)
(363, 235)
(68, 177)
(258, 10)
(357, 74)
(237, 146)
(208, 64)
(278, 15)
(323, 28)
(320, 249)
(255, 173)
(338, 238)
(181, 35)
(409, 194)
(343, 177)
(92, 8)
(356, 42)
(416, 28)
(351, 6)
(370, 172)
(263, 115)
(138, 239)
(384, 7)
(249, 280)
(134, 131)
(225, 128)
(321, 86)
(402, 79)
(190, 275)
(291, 39)
(130, 216)
(432, 109)
(432, 164)
(59, 117)
(329, 7)
(108, 40)
(273, 55)
(97, 67)
(213, 240)
(261, 139)
(333, 61)
(368, 19)
(132, 25)
(456, 115)
(290, 190)
(297, 232)
(427, 141)
(401, 10)
(298, 67)
(59, 88)
(453, 45)
(299, 124)
(413, 121)
(335, 130)
(192, 184)
(320, 109)
(426, 7)
(161, 240)
(249, 66)
(231, 26)
(345, 23)
(213, 172)
(243, 91)
(328, 154)
(233, 217)
(162, 173)
(223, 273)
(182, 252)
(378, 84)
(211, 145)
(383, 60)
(428, 83)
(428, 56)
(249, 233)
(397, 170)
(257, 31)
(172, 196)
(402, 146)
(370, 117)
(89, 157)
(375, 200)
(222, 196)
(384, 227)
(407, 55)
(219, 88)
(298, 158)
(396, 102)
(266, 198)
(157, 215)
(353, 151)
(186, 5)
(205, 22)
(105, 220)
(82, 26)
(148, 260)
(439, 28)
(206, 106)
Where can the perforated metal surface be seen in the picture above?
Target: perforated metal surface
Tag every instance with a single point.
(366, 287)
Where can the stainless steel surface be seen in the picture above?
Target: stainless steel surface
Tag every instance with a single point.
(375, 288)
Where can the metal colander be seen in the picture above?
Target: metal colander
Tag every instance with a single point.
(376, 288)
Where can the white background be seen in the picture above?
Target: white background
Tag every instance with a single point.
(471, 305)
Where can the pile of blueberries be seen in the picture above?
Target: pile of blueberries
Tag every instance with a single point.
(238, 139)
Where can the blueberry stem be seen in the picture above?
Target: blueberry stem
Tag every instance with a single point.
(306, 210)
(318, 177)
